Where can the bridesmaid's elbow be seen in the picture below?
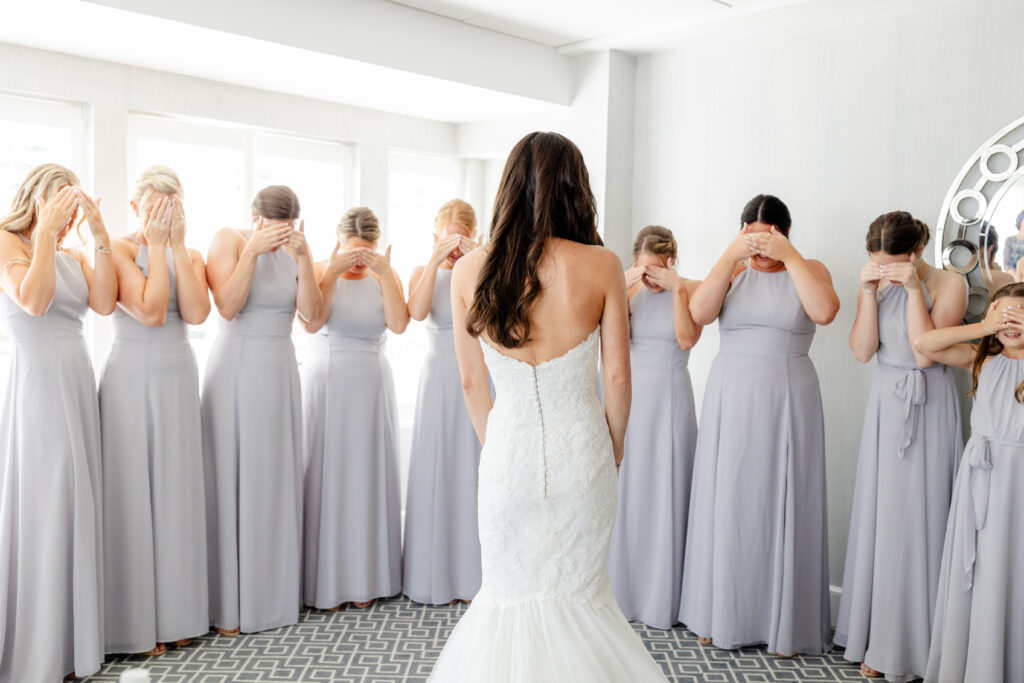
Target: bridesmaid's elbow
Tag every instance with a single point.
(826, 315)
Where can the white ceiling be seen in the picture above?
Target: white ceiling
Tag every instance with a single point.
(563, 23)
(435, 59)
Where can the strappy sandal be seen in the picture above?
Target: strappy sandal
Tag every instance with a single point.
(228, 632)
(157, 651)
(363, 605)
(868, 672)
(704, 641)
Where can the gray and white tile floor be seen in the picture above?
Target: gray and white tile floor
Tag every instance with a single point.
(397, 641)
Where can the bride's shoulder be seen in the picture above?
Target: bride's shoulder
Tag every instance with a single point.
(593, 258)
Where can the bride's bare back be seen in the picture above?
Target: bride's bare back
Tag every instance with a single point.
(582, 286)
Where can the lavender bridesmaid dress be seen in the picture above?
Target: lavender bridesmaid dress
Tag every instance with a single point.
(252, 448)
(978, 631)
(353, 543)
(756, 566)
(154, 506)
(51, 568)
(441, 559)
(649, 537)
(909, 452)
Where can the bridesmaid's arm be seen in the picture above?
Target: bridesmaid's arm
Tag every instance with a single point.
(951, 345)
(102, 279)
(144, 298)
(30, 279)
(472, 367)
(706, 301)
(396, 311)
(864, 334)
(307, 297)
(230, 266)
(327, 280)
(687, 330)
(421, 291)
(948, 308)
(618, 388)
(193, 291)
(813, 285)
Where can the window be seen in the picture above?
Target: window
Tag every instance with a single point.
(418, 185)
(221, 167)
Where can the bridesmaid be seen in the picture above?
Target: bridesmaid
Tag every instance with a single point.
(909, 452)
(441, 560)
(353, 544)
(155, 578)
(649, 537)
(756, 549)
(979, 614)
(252, 417)
(51, 570)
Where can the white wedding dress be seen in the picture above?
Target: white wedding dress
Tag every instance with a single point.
(547, 499)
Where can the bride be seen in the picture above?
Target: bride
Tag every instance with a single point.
(530, 307)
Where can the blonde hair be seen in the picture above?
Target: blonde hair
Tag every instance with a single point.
(276, 202)
(160, 179)
(458, 212)
(42, 181)
(655, 239)
(359, 222)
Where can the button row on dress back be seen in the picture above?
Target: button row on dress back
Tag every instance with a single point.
(543, 445)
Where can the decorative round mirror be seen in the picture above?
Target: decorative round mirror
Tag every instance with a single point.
(981, 227)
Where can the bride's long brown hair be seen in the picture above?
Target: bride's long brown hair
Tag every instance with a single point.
(544, 192)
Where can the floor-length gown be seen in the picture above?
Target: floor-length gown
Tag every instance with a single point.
(353, 544)
(441, 558)
(545, 612)
(154, 505)
(649, 538)
(252, 450)
(909, 452)
(51, 568)
(756, 566)
(978, 633)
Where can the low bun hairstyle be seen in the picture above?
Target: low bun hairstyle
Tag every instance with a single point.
(277, 203)
(657, 240)
(766, 208)
(359, 222)
(897, 232)
(458, 212)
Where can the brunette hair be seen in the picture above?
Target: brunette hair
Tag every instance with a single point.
(989, 345)
(277, 203)
(766, 208)
(544, 193)
(655, 239)
(897, 232)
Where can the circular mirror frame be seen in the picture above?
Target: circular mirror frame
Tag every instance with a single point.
(978, 182)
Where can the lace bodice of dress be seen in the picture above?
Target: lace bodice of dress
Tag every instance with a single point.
(547, 480)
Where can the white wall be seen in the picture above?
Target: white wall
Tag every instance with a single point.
(843, 121)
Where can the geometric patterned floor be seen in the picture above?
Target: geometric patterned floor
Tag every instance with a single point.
(397, 641)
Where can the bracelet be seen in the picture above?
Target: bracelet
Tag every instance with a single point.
(868, 291)
(102, 249)
(987, 328)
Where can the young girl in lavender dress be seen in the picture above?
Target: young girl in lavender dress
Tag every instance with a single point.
(756, 567)
(353, 545)
(441, 557)
(909, 451)
(51, 541)
(252, 417)
(649, 537)
(979, 612)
